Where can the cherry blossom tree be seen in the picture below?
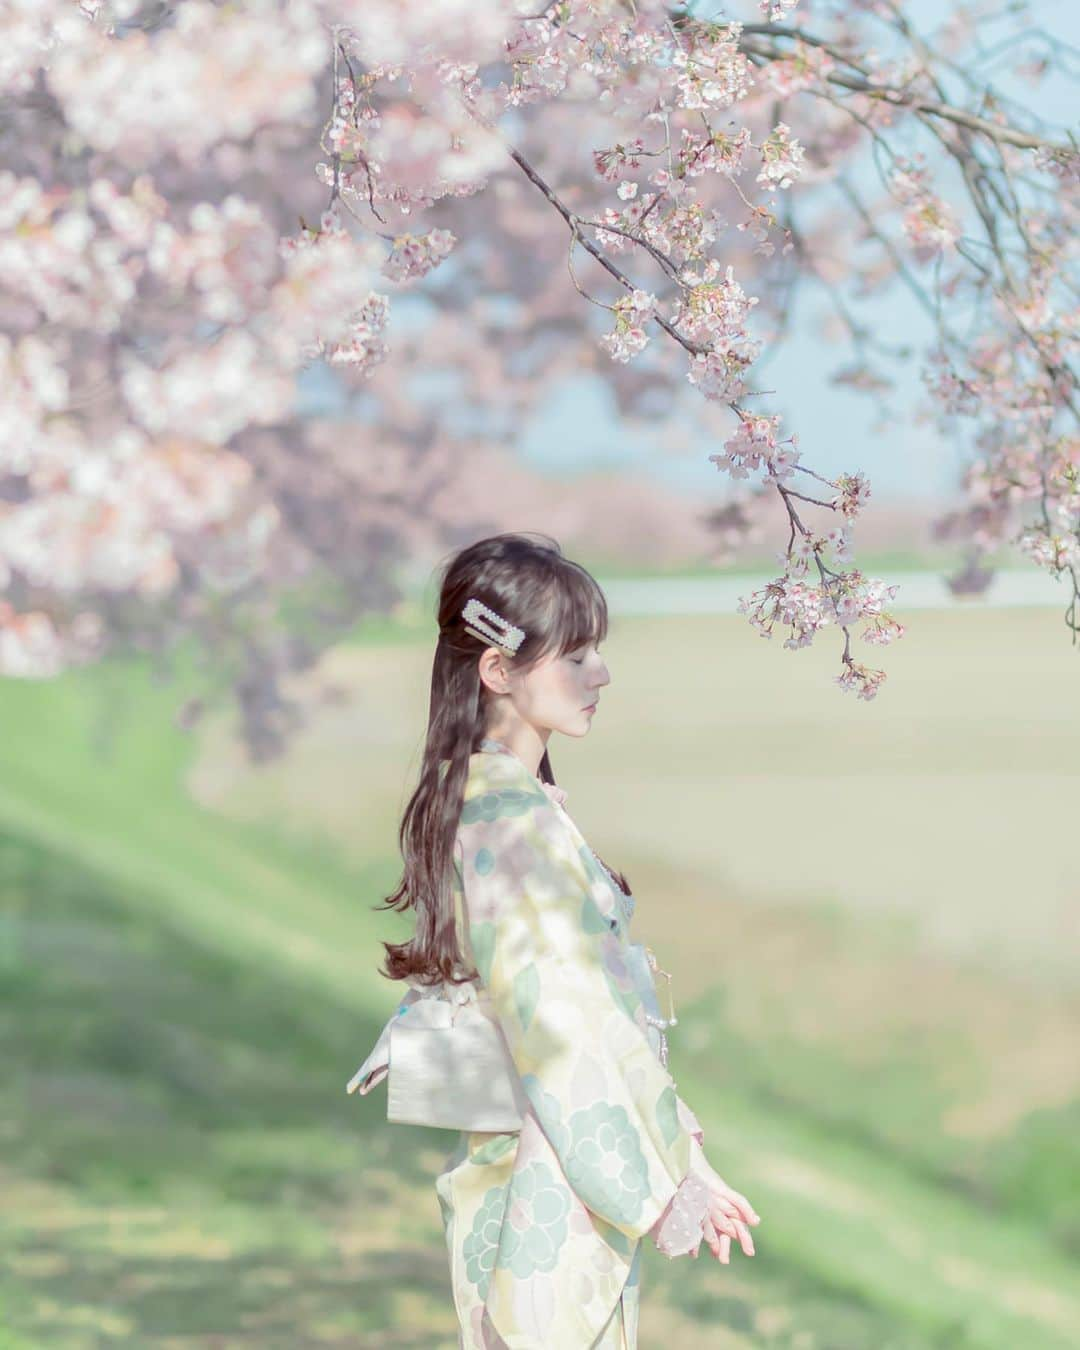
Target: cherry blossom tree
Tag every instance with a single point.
(443, 210)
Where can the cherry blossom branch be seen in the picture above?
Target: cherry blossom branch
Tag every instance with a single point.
(887, 94)
(971, 169)
(574, 221)
(857, 676)
(661, 258)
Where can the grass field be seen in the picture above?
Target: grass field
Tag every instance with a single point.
(871, 917)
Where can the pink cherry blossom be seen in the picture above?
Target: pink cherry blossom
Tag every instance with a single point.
(413, 256)
(629, 337)
(203, 220)
(781, 158)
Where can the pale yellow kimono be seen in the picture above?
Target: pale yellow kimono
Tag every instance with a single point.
(544, 1227)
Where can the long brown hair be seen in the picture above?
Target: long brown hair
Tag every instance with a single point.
(525, 579)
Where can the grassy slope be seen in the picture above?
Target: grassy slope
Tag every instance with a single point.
(108, 794)
(185, 996)
(181, 1159)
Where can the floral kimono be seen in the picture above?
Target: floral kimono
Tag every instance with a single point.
(544, 1225)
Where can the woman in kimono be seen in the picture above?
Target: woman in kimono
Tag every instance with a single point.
(543, 1225)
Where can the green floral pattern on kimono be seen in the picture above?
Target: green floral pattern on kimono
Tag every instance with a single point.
(482, 1243)
(544, 1226)
(539, 1206)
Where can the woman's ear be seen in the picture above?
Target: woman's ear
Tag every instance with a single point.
(493, 671)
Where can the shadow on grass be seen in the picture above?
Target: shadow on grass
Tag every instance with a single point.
(181, 1158)
(181, 1165)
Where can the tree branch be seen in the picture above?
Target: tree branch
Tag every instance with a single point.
(1007, 134)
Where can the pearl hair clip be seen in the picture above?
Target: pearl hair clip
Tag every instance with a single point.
(485, 624)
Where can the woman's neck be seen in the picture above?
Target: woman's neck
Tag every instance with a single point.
(525, 745)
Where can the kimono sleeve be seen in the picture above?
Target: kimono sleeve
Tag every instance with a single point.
(691, 1121)
(550, 966)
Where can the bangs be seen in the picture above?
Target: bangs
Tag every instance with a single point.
(577, 613)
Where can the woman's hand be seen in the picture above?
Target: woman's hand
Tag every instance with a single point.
(705, 1207)
(729, 1214)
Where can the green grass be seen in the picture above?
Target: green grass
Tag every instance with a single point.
(185, 992)
(181, 1159)
(182, 1162)
(92, 766)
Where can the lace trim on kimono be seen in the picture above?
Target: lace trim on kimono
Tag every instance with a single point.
(680, 1228)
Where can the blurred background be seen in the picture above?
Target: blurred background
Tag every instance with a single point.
(869, 912)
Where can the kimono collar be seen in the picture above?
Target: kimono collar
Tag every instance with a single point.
(555, 793)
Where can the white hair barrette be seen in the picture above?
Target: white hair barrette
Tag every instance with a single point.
(485, 624)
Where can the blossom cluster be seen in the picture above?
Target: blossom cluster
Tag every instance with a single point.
(805, 68)
(323, 306)
(540, 62)
(680, 234)
(210, 392)
(716, 74)
(711, 310)
(955, 395)
(188, 85)
(55, 260)
(719, 153)
(928, 223)
(414, 255)
(781, 158)
(854, 493)
(776, 9)
(753, 446)
(809, 546)
(1061, 161)
(610, 164)
(416, 36)
(632, 313)
(32, 647)
(1055, 550)
(718, 375)
(222, 263)
(808, 608)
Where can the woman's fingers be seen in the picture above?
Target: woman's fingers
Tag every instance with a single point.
(737, 1203)
(744, 1209)
(723, 1223)
(730, 1228)
(719, 1243)
(745, 1238)
(729, 1215)
(739, 1230)
(712, 1237)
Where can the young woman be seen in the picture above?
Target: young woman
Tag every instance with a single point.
(543, 1224)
